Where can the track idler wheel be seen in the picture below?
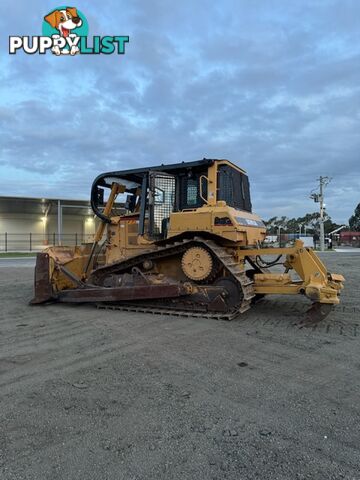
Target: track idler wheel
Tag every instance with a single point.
(234, 295)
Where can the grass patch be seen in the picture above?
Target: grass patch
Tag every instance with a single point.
(17, 254)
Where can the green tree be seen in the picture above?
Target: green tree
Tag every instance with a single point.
(292, 225)
(354, 220)
(274, 223)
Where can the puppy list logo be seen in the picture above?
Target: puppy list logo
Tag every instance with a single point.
(65, 32)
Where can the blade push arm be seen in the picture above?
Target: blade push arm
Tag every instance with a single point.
(115, 189)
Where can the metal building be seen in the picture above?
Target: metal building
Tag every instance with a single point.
(30, 224)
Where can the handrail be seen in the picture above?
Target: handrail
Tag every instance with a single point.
(200, 188)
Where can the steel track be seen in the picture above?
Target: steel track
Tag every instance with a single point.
(230, 265)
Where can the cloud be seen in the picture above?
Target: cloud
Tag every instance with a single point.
(272, 87)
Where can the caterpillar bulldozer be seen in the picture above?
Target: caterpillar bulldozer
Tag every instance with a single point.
(184, 241)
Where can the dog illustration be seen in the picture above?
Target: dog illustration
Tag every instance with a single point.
(64, 21)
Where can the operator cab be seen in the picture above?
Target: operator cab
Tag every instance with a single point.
(181, 187)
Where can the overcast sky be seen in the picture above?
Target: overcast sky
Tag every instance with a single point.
(272, 85)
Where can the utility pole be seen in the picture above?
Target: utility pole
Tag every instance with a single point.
(319, 198)
(279, 233)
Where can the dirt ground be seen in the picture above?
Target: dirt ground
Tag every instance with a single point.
(93, 394)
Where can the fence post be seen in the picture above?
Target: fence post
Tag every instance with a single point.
(54, 239)
(59, 213)
(30, 242)
(76, 239)
(6, 245)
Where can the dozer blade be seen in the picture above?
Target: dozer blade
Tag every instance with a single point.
(43, 289)
(316, 313)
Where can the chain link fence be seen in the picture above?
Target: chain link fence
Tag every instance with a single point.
(35, 242)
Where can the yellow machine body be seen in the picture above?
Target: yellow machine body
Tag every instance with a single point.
(189, 230)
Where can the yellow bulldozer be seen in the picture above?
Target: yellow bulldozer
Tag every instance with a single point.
(184, 241)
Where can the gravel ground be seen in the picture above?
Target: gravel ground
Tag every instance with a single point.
(93, 394)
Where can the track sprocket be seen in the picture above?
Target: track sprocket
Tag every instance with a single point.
(197, 263)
